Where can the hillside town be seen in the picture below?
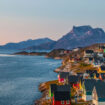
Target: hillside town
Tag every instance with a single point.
(80, 80)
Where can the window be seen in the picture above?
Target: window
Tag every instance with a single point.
(67, 102)
(62, 102)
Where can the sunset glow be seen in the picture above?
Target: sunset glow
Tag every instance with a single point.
(31, 19)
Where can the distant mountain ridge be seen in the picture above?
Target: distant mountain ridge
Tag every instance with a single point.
(81, 36)
(44, 46)
(26, 44)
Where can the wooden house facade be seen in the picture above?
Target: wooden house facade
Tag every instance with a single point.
(98, 94)
(61, 94)
(87, 88)
(88, 53)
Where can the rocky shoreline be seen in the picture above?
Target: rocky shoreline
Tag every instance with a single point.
(44, 91)
(44, 87)
(51, 54)
(31, 53)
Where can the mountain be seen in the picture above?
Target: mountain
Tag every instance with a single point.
(44, 46)
(81, 36)
(26, 44)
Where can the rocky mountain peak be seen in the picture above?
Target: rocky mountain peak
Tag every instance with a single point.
(81, 28)
(81, 36)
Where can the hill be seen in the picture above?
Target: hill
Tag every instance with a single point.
(44, 46)
(79, 36)
(26, 44)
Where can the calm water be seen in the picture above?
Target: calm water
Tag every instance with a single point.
(21, 75)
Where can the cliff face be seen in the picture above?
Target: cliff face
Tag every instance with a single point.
(80, 37)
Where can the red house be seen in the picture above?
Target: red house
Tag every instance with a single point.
(61, 98)
(62, 95)
(63, 76)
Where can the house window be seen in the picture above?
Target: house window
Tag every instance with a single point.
(67, 102)
(62, 102)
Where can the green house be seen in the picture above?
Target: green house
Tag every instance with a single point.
(52, 89)
(104, 50)
(62, 88)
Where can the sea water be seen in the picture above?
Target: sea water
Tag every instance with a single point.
(20, 76)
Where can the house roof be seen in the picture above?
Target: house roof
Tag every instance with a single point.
(89, 84)
(89, 51)
(91, 72)
(100, 89)
(90, 58)
(97, 75)
(74, 78)
(58, 96)
(98, 60)
(103, 67)
(63, 88)
(60, 88)
(62, 92)
(103, 47)
(103, 75)
(79, 74)
(64, 74)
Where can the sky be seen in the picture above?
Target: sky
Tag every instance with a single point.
(31, 19)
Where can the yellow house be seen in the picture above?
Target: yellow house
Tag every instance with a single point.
(71, 60)
(95, 76)
(101, 69)
(80, 85)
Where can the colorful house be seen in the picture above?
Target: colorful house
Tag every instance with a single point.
(90, 60)
(55, 87)
(96, 76)
(62, 95)
(87, 88)
(52, 89)
(97, 62)
(101, 69)
(61, 98)
(67, 51)
(100, 54)
(71, 60)
(62, 76)
(98, 94)
(103, 76)
(102, 49)
(88, 53)
(80, 74)
(91, 73)
(74, 81)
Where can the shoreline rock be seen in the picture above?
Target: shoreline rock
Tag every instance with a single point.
(43, 90)
(57, 70)
(56, 58)
(31, 53)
